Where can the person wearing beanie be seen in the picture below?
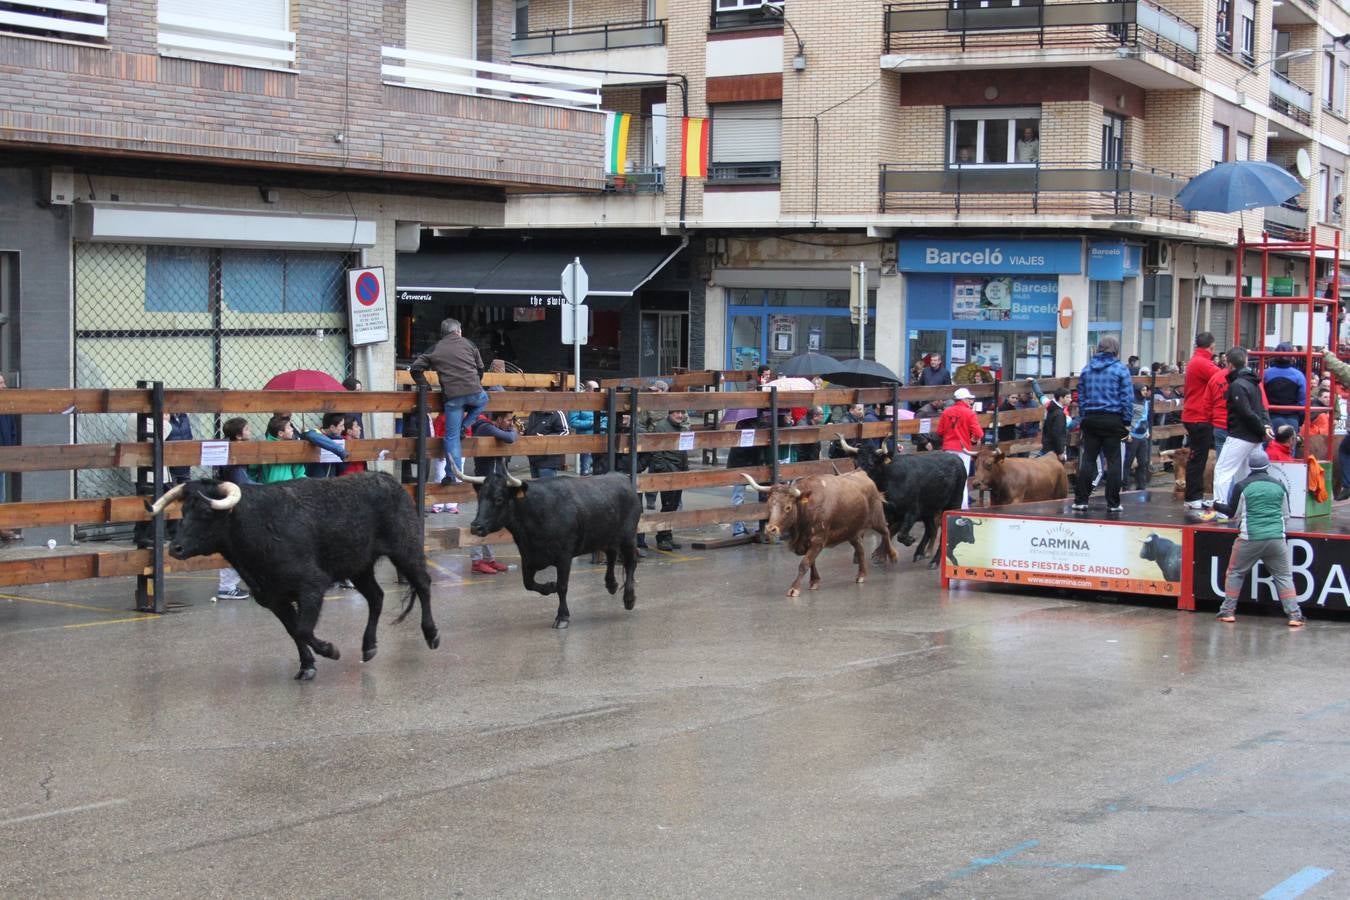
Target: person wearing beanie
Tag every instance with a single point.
(1259, 502)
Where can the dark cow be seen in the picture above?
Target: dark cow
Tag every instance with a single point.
(293, 539)
(1167, 554)
(916, 488)
(960, 530)
(554, 519)
(1017, 480)
(822, 511)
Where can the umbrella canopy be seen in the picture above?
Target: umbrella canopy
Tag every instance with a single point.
(303, 380)
(792, 384)
(808, 364)
(1236, 186)
(862, 373)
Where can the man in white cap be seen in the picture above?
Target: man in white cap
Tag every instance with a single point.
(959, 430)
(1258, 502)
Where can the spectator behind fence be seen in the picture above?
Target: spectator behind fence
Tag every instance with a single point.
(459, 367)
(234, 430)
(1282, 448)
(544, 423)
(1055, 424)
(1285, 385)
(1137, 448)
(663, 461)
(180, 429)
(279, 429)
(352, 383)
(935, 374)
(9, 437)
(351, 431)
(742, 457)
(327, 438)
(582, 421)
(498, 425)
(660, 387)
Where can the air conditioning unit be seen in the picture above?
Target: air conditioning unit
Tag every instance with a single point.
(1158, 256)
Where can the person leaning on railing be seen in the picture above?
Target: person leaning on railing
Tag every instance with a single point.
(459, 367)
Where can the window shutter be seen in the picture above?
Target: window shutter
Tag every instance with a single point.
(444, 27)
(747, 132)
(254, 13)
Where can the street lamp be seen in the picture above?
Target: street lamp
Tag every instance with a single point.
(1301, 53)
(771, 10)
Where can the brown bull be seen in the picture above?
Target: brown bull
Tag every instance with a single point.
(1179, 457)
(1018, 480)
(822, 511)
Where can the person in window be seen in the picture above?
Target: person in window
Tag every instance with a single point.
(1336, 209)
(964, 155)
(1029, 146)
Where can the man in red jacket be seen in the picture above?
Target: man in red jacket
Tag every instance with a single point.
(959, 429)
(1195, 415)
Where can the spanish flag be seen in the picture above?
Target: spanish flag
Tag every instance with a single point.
(616, 141)
(694, 151)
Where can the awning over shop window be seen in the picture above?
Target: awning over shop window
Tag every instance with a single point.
(514, 276)
(1223, 287)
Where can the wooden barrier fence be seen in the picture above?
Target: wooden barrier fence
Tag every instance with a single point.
(150, 565)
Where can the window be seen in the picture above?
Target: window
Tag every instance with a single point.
(1247, 35)
(238, 32)
(85, 22)
(1279, 44)
(991, 4)
(177, 279)
(994, 137)
(1334, 74)
(522, 18)
(443, 27)
(1337, 196)
(654, 148)
(1322, 208)
(746, 142)
(1223, 27)
(1113, 141)
(1219, 142)
(1242, 149)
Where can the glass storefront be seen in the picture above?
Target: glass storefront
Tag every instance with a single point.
(1007, 320)
(771, 326)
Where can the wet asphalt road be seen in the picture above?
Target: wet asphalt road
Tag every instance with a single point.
(882, 740)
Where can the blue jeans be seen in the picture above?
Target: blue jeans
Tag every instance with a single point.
(457, 409)
(738, 499)
(1220, 435)
(584, 462)
(542, 472)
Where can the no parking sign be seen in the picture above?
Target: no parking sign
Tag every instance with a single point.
(367, 318)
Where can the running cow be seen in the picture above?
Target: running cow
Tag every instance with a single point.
(822, 511)
(917, 488)
(1018, 480)
(293, 539)
(553, 520)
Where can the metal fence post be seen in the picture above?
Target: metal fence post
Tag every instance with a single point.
(773, 435)
(633, 436)
(994, 425)
(422, 460)
(895, 418)
(150, 589)
(612, 409)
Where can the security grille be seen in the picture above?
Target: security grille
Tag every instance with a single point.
(196, 317)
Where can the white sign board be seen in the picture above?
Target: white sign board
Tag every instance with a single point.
(367, 318)
(575, 283)
(1294, 477)
(686, 440)
(583, 316)
(215, 453)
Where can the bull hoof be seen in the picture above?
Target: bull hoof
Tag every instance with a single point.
(433, 638)
(305, 674)
(327, 650)
(794, 592)
(560, 623)
(548, 587)
(629, 601)
(612, 585)
(861, 579)
(368, 655)
(815, 585)
(934, 563)
(906, 539)
(918, 555)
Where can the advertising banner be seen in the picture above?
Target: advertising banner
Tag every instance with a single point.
(1318, 563)
(1135, 559)
(1004, 299)
(968, 257)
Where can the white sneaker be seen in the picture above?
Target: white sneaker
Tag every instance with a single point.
(452, 508)
(1195, 504)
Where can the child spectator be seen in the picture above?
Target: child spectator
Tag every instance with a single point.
(497, 425)
(228, 586)
(279, 428)
(329, 439)
(1282, 448)
(1259, 502)
(351, 431)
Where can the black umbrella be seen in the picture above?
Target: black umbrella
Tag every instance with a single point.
(809, 364)
(860, 373)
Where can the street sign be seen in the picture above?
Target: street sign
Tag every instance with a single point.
(367, 314)
(583, 317)
(575, 282)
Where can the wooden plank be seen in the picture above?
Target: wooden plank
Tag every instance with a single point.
(50, 568)
(517, 381)
(30, 401)
(35, 513)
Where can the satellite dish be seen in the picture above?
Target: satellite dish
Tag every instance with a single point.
(1303, 162)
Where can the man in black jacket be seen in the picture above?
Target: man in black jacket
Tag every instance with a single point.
(1248, 428)
(539, 424)
(1055, 430)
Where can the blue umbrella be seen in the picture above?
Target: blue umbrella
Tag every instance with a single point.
(1235, 186)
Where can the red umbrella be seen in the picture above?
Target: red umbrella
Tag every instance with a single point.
(303, 380)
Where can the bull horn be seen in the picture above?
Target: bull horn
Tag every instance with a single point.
(176, 494)
(763, 489)
(511, 480)
(795, 492)
(231, 498)
(471, 479)
(849, 449)
(836, 468)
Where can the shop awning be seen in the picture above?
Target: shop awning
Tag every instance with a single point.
(1223, 287)
(512, 276)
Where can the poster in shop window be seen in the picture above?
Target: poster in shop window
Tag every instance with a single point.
(1004, 298)
(1137, 559)
(782, 331)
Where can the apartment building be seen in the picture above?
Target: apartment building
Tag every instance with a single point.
(1005, 169)
(184, 185)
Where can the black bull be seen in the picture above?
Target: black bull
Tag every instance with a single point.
(917, 488)
(555, 519)
(291, 540)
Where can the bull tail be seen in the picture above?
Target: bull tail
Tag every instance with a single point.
(409, 602)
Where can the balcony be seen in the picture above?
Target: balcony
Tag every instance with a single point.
(1290, 99)
(225, 41)
(69, 20)
(431, 71)
(639, 180)
(767, 172)
(1136, 25)
(1050, 188)
(1287, 222)
(746, 14)
(609, 36)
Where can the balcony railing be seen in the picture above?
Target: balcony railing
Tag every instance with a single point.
(1074, 188)
(72, 20)
(746, 13)
(1290, 99)
(1288, 221)
(610, 36)
(221, 40)
(767, 172)
(1137, 24)
(433, 72)
(640, 180)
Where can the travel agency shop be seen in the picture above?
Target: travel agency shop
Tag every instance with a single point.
(1032, 307)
